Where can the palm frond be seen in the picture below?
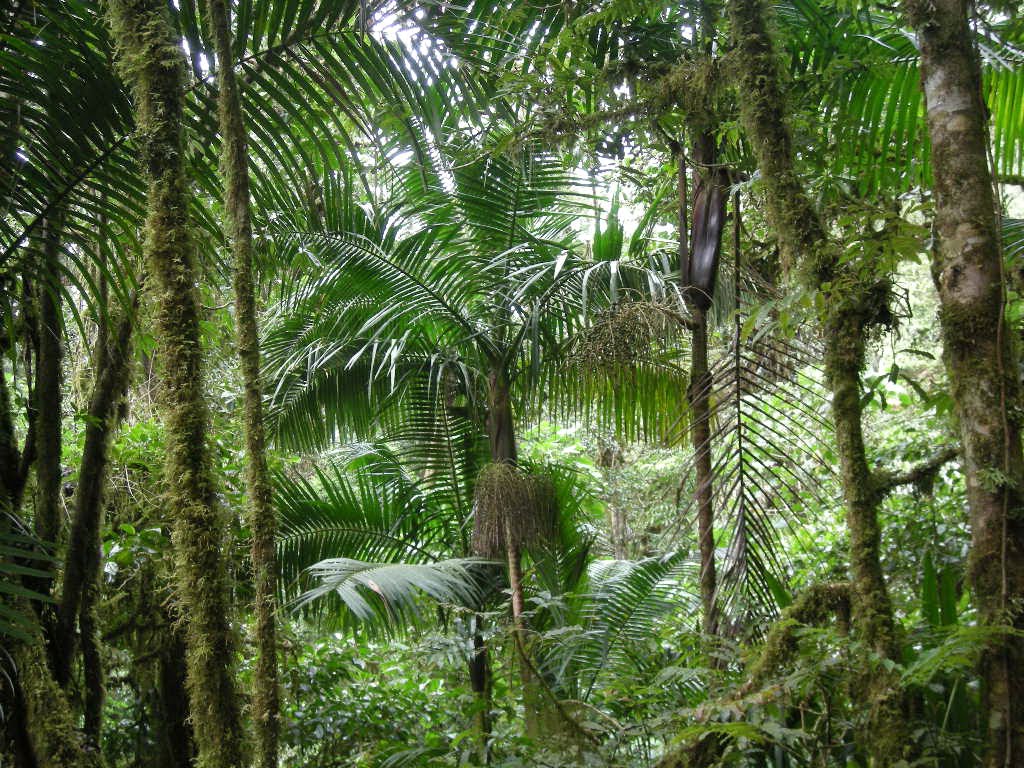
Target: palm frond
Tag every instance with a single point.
(391, 594)
(769, 428)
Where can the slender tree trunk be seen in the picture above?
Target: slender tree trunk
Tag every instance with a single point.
(480, 682)
(95, 691)
(82, 563)
(175, 733)
(699, 392)
(153, 64)
(610, 459)
(871, 605)
(983, 369)
(700, 437)
(501, 431)
(48, 737)
(48, 395)
(849, 308)
(235, 165)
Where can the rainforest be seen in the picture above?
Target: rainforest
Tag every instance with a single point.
(611, 383)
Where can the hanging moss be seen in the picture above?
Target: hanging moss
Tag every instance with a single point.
(152, 62)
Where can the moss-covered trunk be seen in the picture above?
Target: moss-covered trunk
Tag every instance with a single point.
(48, 736)
(235, 167)
(82, 562)
(983, 370)
(872, 610)
(849, 307)
(153, 63)
(48, 399)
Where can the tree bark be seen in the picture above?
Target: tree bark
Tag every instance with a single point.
(235, 166)
(48, 400)
(700, 436)
(82, 563)
(968, 271)
(850, 306)
(153, 64)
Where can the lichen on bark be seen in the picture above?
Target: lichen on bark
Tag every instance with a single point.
(967, 268)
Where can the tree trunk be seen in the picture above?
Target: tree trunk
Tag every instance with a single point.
(95, 692)
(175, 733)
(849, 308)
(968, 271)
(48, 396)
(235, 165)
(699, 392)
(82, 564)
(610, 459)
(47, 735)
(501, 431)
(844, 334)
(480, 682)
(153, 64)
(700, 435)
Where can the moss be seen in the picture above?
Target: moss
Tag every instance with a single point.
(814, 607)
(48, 400)
(235, 169)
(48, 718)
(152, 62)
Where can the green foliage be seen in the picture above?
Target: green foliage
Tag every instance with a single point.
(444, 191)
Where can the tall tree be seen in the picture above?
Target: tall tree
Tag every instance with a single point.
(235, 167)
(851, 307)
(983, 370)
(152, 62)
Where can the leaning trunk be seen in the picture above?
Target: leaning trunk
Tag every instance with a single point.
(968, 270)
(153, 63)
(235, 165)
